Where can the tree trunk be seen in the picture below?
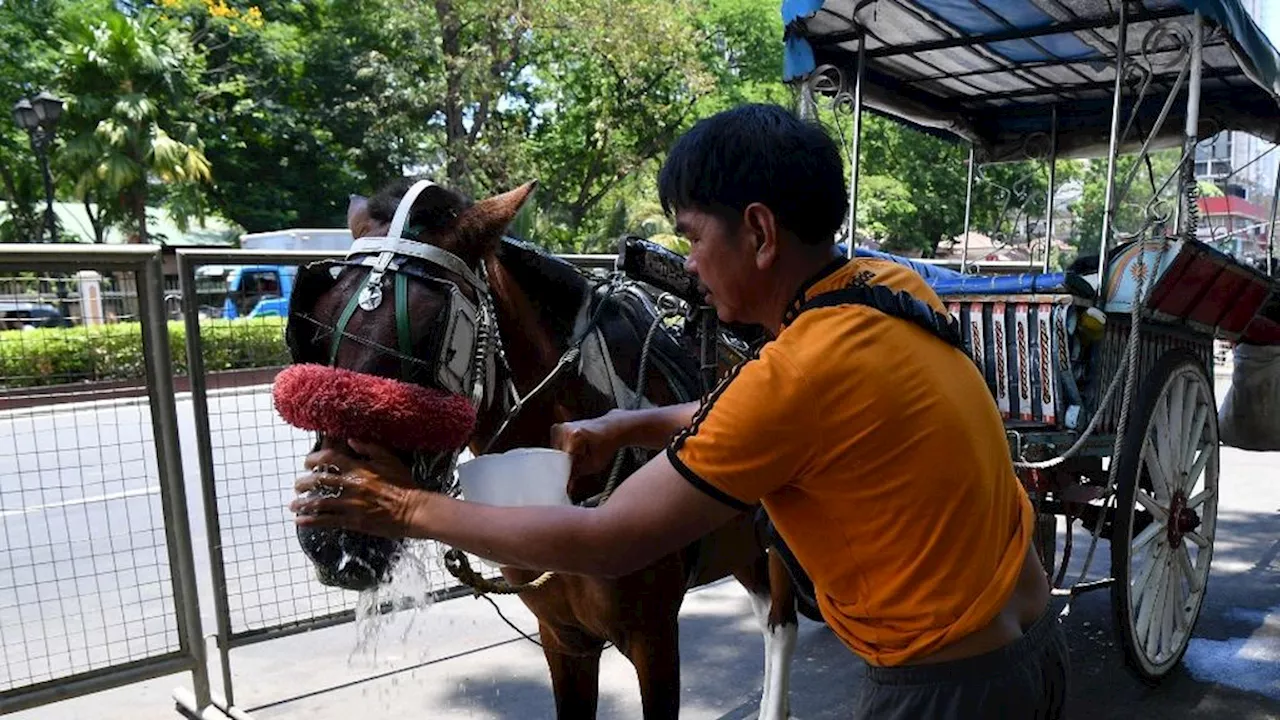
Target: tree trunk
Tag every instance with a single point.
(455, 131)
(138, 206)
(99, 227)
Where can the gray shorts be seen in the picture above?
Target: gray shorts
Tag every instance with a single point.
(1026, 679)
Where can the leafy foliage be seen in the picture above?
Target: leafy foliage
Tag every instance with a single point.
(54, 356)
(28, 51)
(272, 112)
(130, 80)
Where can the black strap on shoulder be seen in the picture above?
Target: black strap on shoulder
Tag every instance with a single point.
(900, 304)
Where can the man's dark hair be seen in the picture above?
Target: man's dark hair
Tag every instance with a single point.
(764, 154)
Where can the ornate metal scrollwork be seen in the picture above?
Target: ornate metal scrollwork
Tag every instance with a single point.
(1166, 45)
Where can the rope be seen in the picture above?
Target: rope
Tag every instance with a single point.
(510, 624)
(1130, 365)
(458, 566)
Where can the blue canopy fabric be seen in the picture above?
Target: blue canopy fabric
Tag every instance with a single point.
(946, 281)
(991, 71)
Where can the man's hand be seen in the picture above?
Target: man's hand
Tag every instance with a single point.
(374, 496)
(591, 443)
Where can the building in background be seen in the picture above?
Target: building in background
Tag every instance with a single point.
(1235, 225)
(1229, 159)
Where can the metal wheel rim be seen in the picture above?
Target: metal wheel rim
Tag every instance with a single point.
(1168, 571)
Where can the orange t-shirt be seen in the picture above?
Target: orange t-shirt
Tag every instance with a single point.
(881, 458)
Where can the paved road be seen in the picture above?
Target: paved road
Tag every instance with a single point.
(84, 576)
(439, 661)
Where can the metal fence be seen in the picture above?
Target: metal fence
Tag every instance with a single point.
(264, 586)
(97, 578)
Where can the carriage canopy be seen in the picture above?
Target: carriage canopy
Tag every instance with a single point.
(994, 72)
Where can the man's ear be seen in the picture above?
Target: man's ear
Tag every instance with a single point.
(762, 228)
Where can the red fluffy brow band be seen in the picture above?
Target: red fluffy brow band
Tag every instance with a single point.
(358, 406)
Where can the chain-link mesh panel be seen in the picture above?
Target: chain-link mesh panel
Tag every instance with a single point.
(257, 457)
(84, 566)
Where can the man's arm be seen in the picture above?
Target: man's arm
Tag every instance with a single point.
(652, 428)
(655, 512)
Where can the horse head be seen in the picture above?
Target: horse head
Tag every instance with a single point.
(393, 344)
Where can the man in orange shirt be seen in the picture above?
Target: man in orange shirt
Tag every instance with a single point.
(865, 432)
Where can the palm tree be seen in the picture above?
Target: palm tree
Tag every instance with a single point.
(129, 79)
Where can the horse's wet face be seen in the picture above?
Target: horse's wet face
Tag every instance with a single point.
(370, 343)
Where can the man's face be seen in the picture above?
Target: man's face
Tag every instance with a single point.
(723, 260)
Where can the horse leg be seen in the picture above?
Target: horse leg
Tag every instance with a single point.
(655, 654)
(573, 658)
(773, 604)
(781, 628)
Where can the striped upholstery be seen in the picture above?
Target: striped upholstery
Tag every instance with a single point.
(1025, 346)
(1036, 366)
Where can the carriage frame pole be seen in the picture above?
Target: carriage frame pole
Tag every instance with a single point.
(1271, 232)
(1053, 175)
(1108, 213)
(968, 210)
(1192, 129)
(855, 153)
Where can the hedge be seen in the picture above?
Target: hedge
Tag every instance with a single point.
(56, 356)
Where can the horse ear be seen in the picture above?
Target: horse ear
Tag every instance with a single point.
(358, 220)
(482, 225)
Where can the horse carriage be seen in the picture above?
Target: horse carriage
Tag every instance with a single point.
(1104, 374)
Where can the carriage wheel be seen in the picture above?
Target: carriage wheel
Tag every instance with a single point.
(1166, 514)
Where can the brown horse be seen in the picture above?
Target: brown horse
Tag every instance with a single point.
(539, 303)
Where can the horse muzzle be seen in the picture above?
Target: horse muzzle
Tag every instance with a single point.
(409, 419)
(349, 560)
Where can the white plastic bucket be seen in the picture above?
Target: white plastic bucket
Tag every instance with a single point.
(523, 476)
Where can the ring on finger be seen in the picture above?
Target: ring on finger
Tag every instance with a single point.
(327, 491)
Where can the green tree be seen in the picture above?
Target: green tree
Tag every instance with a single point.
(886, 212)
(269, 133)
(1144, 181)
(616, 82)
(28, 51)
(129, 81)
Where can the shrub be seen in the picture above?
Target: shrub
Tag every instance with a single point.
(54, 356)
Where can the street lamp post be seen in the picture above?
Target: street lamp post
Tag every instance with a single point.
(39, 116)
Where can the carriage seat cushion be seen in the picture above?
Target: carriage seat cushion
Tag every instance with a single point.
(945, 281)
(1020, 284)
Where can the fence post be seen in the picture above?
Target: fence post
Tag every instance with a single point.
(173, 495)
(204, 453)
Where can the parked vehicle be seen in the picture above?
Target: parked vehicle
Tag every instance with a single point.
(28, 315)
(263, 290)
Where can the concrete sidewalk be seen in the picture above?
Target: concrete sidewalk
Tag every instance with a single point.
(457, 670)
(457, 659)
